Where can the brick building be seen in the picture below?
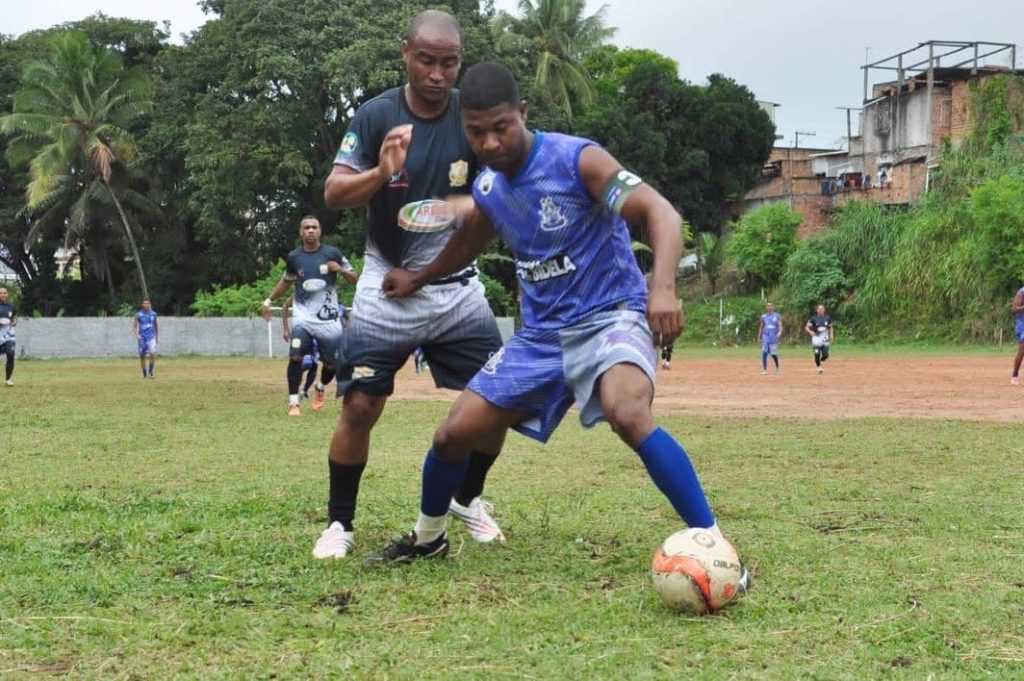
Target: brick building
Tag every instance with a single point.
(902, 126)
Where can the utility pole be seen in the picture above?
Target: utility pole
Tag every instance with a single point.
(796, 144)
(849, 123)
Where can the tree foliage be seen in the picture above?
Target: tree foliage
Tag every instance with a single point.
(763, 240)
(699, 145)
(554, 37)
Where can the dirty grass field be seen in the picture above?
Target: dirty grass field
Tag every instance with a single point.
(162, 529)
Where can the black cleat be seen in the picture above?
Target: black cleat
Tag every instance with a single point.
(405, 549)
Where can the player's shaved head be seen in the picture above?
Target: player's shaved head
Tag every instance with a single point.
(488, 85)
(435, 20)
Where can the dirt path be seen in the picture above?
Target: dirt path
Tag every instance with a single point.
(939, 387)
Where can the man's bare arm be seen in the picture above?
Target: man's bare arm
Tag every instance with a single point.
(644, 206)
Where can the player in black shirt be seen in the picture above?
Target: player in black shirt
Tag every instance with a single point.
(313, 268)
(8, 320)
(406, 145)
(823, 334)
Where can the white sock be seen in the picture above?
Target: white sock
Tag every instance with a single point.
(319, 386)
(293, 400)
(429, 528)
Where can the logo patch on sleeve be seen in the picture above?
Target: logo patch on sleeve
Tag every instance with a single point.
(349, 143)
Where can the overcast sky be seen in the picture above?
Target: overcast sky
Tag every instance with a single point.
(802, 54)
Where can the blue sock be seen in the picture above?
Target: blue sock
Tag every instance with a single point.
(764, 361)
(671, 470)
(441, 480)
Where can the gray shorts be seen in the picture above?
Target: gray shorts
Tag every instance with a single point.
(328, 337)
(543, 371)
(453, 323)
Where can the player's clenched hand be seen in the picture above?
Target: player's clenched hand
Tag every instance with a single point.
(665, 317)
(399, 283)
(266, 313)
(393, 150)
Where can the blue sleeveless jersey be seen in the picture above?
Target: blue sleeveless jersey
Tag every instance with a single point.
(573, 255)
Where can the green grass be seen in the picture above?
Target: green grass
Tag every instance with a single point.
(159, 529)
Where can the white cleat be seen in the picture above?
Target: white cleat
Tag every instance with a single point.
(334, 542)
(764, 373)
(1014, 380)
(9, 383)
(478, 520)
(821, 370)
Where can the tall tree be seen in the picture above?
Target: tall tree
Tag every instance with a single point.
(699, 145)
(70, 124)
(555, 36)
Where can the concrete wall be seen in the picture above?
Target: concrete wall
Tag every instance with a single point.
(66, 337)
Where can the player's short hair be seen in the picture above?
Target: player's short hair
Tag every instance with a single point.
(309, 217)
(433, 17)
(487, 85)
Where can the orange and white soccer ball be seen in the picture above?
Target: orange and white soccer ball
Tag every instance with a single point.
(696, 571)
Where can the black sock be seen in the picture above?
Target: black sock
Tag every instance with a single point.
(344, 488)
(10, 365)
(476, 474)
(326, 375)
(775, 358)
(310, 378)
(294, 376)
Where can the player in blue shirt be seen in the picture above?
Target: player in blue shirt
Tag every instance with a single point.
(1018, 330)
(590, 328)
(146, 330)
(8, 320)
(769, 331)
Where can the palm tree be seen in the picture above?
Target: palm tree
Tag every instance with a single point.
(558, 35)
(70, 124)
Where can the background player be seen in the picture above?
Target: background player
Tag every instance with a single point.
(146, 329)
(769, 331)
(407, 145)
(311, 360)
(8, 320)
(561, 205)
(314, 268)
(819, 328)
(1018, 331)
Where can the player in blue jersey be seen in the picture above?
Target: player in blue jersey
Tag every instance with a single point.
(769, 331)
(590, 326)
(1018, 330)
(146, 330)
(313, 268)
(8, 320)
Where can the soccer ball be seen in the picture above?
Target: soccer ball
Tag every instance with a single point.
(696, 572)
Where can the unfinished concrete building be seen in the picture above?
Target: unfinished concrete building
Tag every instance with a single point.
(900, 131)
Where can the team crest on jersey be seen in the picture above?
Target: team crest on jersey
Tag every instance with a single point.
(486, 183)
(399, 180)
(349, 143)
(494, 362)
(458, 174)
(551, 217)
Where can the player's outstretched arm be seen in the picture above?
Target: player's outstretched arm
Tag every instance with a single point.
(639, 204)
(280, 289)
(347, 187)
(460, 251)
